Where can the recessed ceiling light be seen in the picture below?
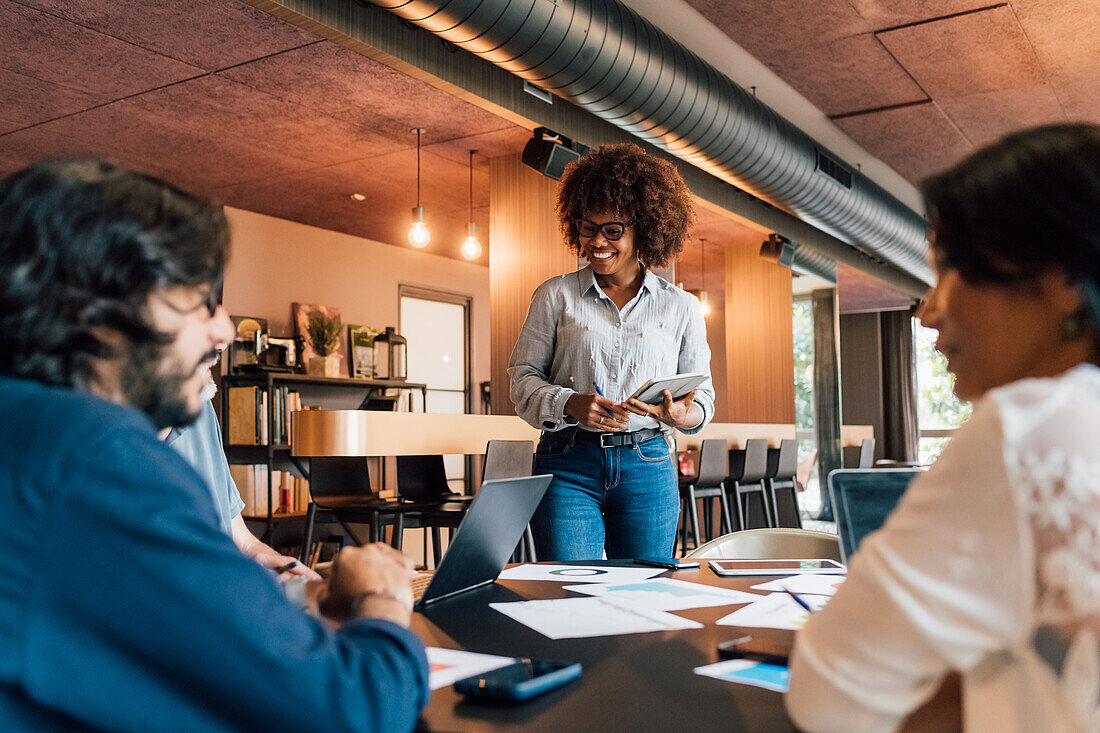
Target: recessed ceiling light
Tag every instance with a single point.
(357, 197)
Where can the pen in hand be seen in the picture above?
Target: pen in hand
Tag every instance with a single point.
(289, 566)
(601, 394)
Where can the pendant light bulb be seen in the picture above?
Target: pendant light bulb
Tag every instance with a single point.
(704, 306)
(419, 236)
(471, 247)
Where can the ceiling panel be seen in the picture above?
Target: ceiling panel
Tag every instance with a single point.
(890, 13)
(1065, 34)
(967, 54)
(346, 85)
(25, 100)
(201, 159)
(846, 75)
(984, 117)
(916, 141)
(210, 34)
(238, 112)
(764, 28)
(1080, 96)
(45, 47)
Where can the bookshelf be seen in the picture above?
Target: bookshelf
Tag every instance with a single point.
(256, 425)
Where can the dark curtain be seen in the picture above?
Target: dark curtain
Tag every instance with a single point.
(899, 387)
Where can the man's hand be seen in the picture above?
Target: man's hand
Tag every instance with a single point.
(372, 581)
(597, 412)
(681, 413)
(272, 560)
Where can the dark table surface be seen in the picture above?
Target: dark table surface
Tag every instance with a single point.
(632, 682)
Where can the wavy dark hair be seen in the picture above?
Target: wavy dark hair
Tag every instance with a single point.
(646, 189)
(1024, 205)
(82, 244)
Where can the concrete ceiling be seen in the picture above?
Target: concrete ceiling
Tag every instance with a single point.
(228, 101)
(919, 83)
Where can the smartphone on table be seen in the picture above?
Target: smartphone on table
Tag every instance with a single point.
(521, 680)
(668, 563)
(768, 651)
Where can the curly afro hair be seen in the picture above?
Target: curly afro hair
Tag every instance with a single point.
(645, 189)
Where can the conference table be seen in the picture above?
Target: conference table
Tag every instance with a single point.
(631, 682)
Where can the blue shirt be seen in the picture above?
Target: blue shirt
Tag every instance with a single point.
(125, 607)
(200, 444)
(575, 335)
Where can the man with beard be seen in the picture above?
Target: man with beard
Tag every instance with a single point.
(124, 605)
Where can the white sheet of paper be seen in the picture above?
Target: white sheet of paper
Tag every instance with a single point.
(579, 618)
(578, 573)
(775, 611)
(447, 666)
(747, 672)
(665, 594)
(814, 583)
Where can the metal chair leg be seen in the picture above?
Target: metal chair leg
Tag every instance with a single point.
(307, 542)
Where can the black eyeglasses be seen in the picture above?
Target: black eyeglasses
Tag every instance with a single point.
(612, 231)
(211, 301)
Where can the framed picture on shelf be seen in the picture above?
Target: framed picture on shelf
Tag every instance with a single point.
(244, 350)
(320, 332)
(361, 350)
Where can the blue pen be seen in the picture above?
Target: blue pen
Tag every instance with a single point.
(601, 394)
(798, 600)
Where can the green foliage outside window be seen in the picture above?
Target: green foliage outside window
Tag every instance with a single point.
(937, 405)
(803, 322)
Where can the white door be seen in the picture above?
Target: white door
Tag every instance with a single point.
(437, 329)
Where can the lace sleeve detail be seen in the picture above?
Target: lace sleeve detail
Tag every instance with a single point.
(1059, 493)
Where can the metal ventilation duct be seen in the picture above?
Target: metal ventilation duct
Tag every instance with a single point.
(811, 262)
(608, 59)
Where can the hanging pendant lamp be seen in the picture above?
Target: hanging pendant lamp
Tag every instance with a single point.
(471, 247)
(704, 306)
(419, 236)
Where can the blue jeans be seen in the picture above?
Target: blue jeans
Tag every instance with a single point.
(623, 499)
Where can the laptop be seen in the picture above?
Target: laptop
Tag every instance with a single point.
(862, 499)
(487, 536)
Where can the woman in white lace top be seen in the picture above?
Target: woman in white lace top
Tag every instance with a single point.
(987, 576)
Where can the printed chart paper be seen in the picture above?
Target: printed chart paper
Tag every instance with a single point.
(746, 672)
(578, 618)
(665, 594)
(578, 573)
(447, 666)
(775, 611)
(813, 583)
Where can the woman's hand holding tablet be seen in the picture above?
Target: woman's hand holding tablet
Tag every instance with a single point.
(669, 400)
(680, 385)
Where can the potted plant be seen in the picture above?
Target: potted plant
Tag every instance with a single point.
(324, 335)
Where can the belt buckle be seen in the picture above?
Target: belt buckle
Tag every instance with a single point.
(606, 436)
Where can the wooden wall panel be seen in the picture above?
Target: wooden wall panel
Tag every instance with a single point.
(759, 337)
(525, 248)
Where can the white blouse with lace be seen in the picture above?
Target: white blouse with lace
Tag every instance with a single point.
(990, 567)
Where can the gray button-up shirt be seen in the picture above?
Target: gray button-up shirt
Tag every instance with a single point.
(575, 335)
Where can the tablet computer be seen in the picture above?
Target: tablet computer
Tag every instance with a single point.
(678, 384)
(775, 567)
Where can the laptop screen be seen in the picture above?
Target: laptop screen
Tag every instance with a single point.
(487, 536)
(862, 499)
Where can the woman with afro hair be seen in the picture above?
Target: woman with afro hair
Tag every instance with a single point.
(591, 338)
